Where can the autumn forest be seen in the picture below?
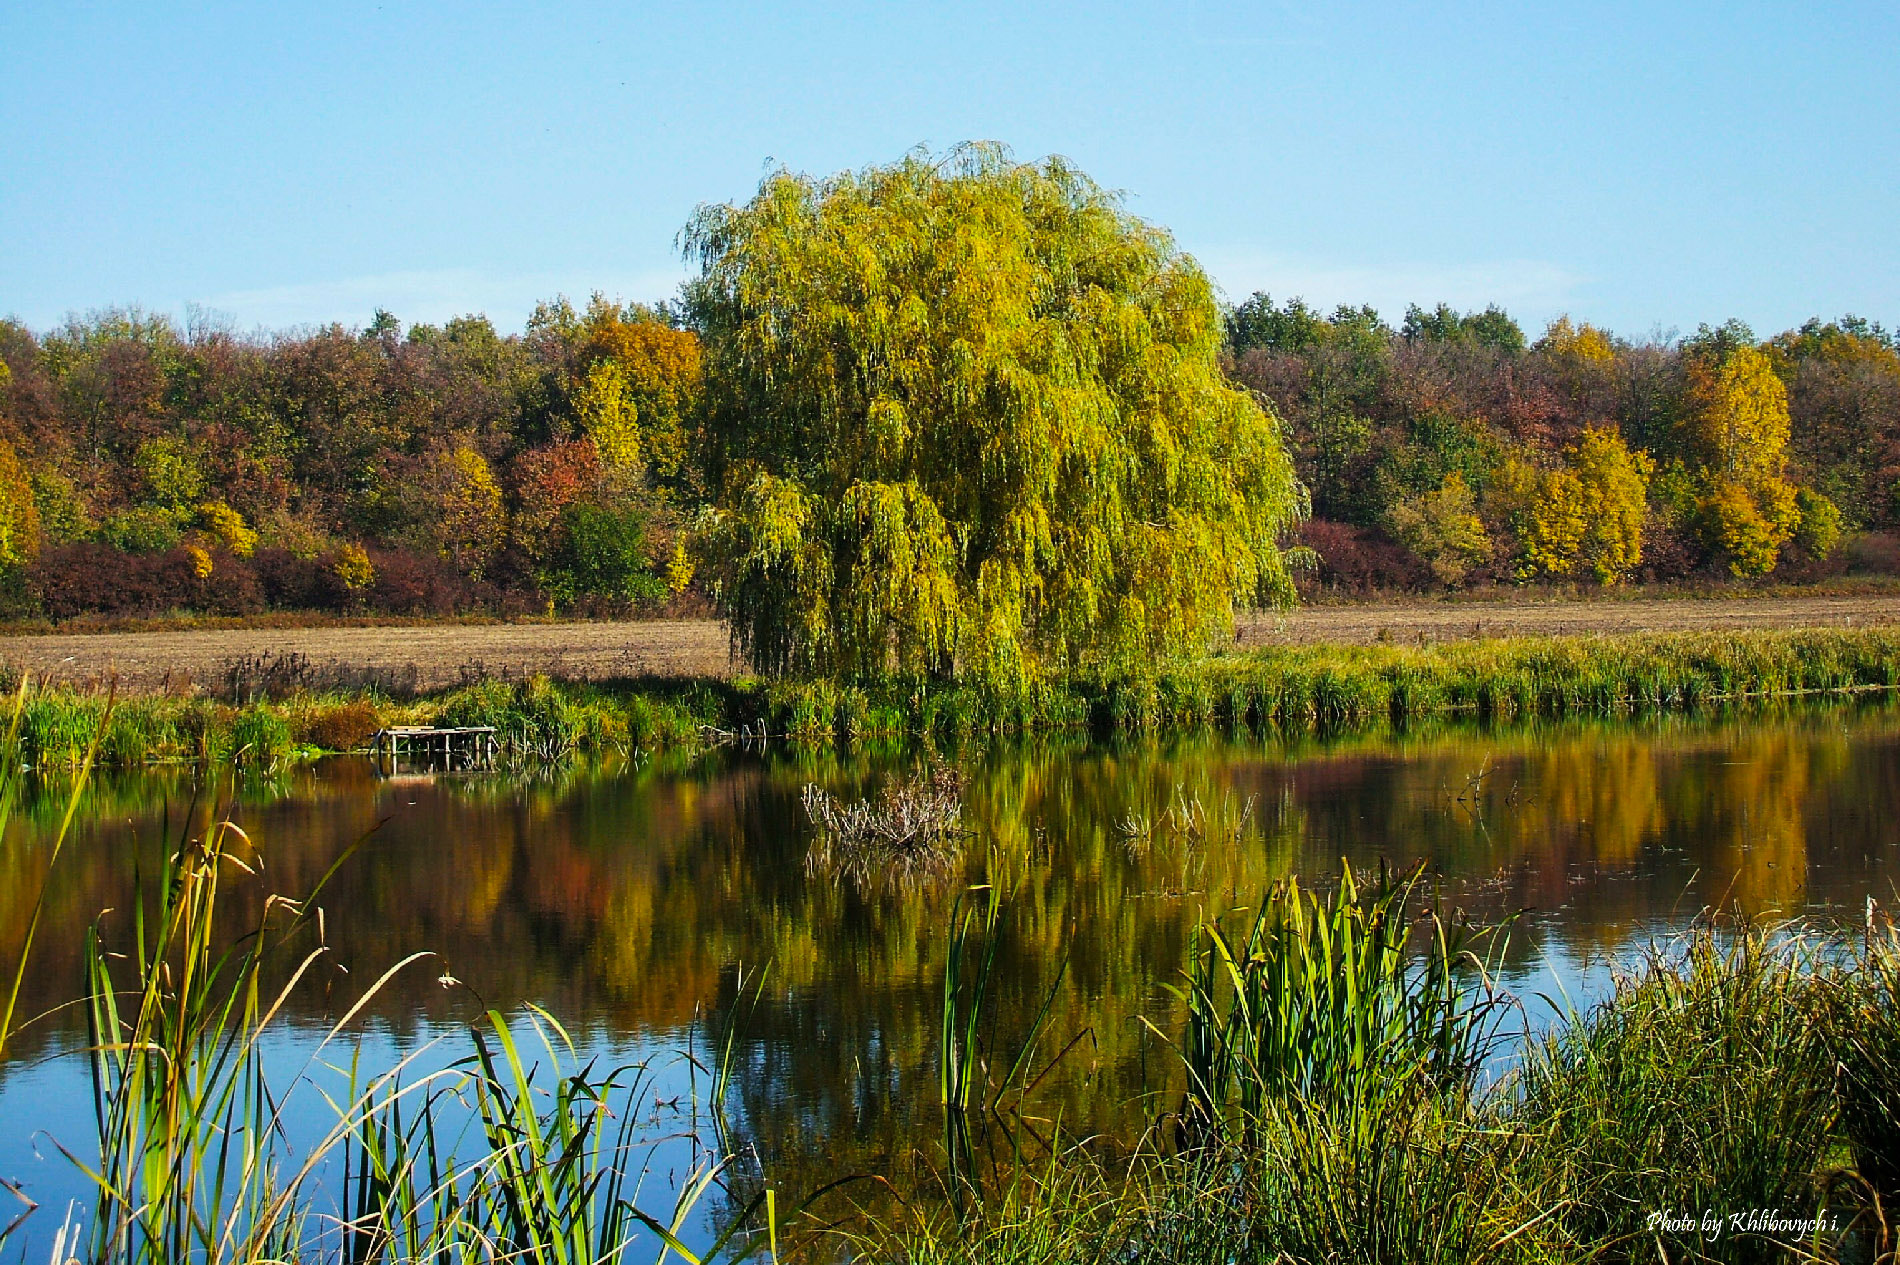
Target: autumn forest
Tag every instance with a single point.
(147, 467)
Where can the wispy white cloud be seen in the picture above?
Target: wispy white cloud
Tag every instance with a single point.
(1532, 289)
(429, 295)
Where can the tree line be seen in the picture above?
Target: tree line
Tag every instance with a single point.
(147, 467)
(950, 411)
(1454, 450)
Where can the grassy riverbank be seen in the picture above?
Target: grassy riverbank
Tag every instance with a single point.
(1734, 1099)
(1287, 689)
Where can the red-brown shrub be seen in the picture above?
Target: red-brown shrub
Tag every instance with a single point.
(298, 584)
(1360, 560)
(230, 589)
(1873, 553)
(1669, 554)
(409, 583)
(81, 578)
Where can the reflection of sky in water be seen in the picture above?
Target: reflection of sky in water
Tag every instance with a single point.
(48, 1104)
(625, 900)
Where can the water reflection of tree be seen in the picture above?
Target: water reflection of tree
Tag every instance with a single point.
(624, 899)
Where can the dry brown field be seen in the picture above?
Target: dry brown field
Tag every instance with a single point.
(431, 656)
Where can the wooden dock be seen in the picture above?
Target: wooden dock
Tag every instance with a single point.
(465, 747)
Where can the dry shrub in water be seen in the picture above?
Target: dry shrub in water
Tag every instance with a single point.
(343, 728)
(913, 827)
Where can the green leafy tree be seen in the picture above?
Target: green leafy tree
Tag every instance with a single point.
(1492, 327)
(604, 554)
(965, 415)
(170, 474)
(61, 509)
(1288, 327)
(1819, 531)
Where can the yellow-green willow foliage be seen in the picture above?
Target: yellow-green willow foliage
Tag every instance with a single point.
(965, 416)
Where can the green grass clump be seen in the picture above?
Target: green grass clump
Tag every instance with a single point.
(1333, 1108)
(57, 727)
(1869, 1018)
(534, 717)
(1703, 1082)
(260, 738)
(1330, 1058)
(143, 730)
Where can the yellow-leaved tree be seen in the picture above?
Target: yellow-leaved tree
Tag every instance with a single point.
(463, 507)
(19, 516)
(226, 526)
(1585, 342)
(963, 415)
(1738, 414)
(659, 373)
(611, 418)
(1736, 409)
(1584, 515)
(1443, 528)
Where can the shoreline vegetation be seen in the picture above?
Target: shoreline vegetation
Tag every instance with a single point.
(1284, 689)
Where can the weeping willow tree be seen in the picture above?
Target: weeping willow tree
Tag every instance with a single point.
(965, 417)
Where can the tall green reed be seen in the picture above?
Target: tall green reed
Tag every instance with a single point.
(968, 966)
(495, 1157)
(1867, 1016)
(188, 1163)
(553, 1178)
(1331, 1053)
(1330, 999)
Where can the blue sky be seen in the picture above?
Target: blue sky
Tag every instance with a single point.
(1642, 166)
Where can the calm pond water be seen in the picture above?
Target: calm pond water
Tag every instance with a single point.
(626, 899)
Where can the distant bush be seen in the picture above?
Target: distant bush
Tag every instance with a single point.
(146, 529)
(91, 578)
(408, 583)
(80, 578)
(231, 588)
(302, 584)
(1874, 553)
(1361, 560)
(604, 555)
